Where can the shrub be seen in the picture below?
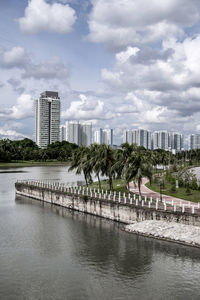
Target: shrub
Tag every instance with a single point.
(85, 198)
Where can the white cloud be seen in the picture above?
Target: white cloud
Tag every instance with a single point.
(121, 23)
(17, 57)
(172, 68)
(42, 16)
(22, 110)
(123, 56)
(11, 134)
(52, 69)
(86, 109)
(13, 58)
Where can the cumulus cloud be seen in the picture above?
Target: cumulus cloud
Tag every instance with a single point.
(86, 109)
(42, 16)
(16, 85)
(159, 87)
(17, 57)
(13, 58)
(22, 110)
(120, 23)
(52, 69)
(173, 67)
(11, 134)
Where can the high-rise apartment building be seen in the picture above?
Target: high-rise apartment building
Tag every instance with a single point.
(160, 140)
(140, 137)
(98, 136)
(73, 132)
(86, 134)
(176, 141)
(108, 137)
(172, 141)
(104, 136)
(194, 141)
(77, 133)
(47, 119)
(62, 133)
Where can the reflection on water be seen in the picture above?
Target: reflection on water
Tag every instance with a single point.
(49, 252)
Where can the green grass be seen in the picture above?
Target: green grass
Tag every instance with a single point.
(118, 185)
(31, 163)
(180, 192)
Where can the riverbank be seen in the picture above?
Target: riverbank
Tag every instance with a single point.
(169, 231)
(144, 217)
(20, 164)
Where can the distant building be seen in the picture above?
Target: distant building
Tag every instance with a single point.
(140, 137)
(86, 134)
(104, 136)
(62, 133)
(194, 141)
(108, 137)
(77, 133)
(47, 119)
(98, 136)
(176, 141)
(73, 132)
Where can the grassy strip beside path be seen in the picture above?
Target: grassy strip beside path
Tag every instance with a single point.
(14, 164)
(194, 196)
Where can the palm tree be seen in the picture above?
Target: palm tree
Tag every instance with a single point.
(80, 161)
(107, 160)
(121, 158)
(138, 165)
(95, 161)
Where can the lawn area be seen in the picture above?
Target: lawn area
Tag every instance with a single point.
(180, 192)
(118, 185)
(31, 163)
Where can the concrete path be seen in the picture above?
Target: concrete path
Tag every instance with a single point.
(149, 193)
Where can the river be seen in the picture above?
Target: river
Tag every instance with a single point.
(47, 252)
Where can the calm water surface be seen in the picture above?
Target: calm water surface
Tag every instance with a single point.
(49, 253)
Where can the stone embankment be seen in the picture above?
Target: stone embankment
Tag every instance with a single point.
(170, 231)
(125, 208)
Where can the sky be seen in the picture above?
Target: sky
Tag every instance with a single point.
(121, 64)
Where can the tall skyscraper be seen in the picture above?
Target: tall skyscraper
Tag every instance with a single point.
(128, 137)
(80, 134)
(108, 137)
(62, 133)
(104, 136)
(98, 136)
(47, 119)
(140, 137)
(86, 134)
(160, 140)
(194, 141)
(73, 132)
(176, 141)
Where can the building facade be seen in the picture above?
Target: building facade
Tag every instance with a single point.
(80, 134)
(47, 119)
(140, 137)
(104, 136)
(62, 133)
(194, 141)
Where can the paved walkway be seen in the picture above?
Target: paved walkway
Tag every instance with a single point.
(149, 193)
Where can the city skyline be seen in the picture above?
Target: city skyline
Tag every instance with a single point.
(110, 69)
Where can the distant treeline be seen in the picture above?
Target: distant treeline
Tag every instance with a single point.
(26, 149)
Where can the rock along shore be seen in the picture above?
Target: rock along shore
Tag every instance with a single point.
(174, 232)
